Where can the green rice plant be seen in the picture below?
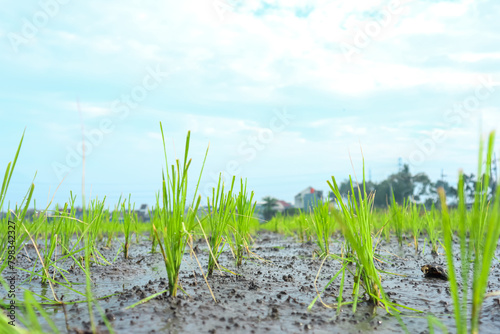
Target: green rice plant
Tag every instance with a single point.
(323, 224)
(93, 217)
(8, 174)
(114, 217)
(414, 221)
(221, 208)
(88, 282)
(476, 250)
(51, 236)
(128, 220)
(68, 225)
(55, 231)
(280, 224)
(239, 229)
(356, 227)
(13, 242)
(433, 322)
(398, 219)
(176, 219)
(154, 215)
(303, 231)
(6, 326)
(30, 231)
(340, 301)
(91, 302)
(32, 313)
(433, 228)
(13, 239)
(382, 220)
(356, 223)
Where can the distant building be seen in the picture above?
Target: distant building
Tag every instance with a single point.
(282, 206)
(143, 213)
(307, 198)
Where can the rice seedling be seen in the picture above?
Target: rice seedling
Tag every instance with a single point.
(50, 242)
(93, 218)
(114, 218)
(432, 228)
(5, 327)
(127, 222)
(340, 300)
(278, 223)
(433, 322)
(175, 223)
(12, 245)
(381, 222)
(55, 232)
(68, 227)
(8, 173)
(281, 224)
(415, 222)
(154, 215)
(239, 229)
(398, 219)
(476, 250)
(90, 301)
(303, 232)
(47, 262)
(33, 312)
(10, 242)
(323, 224)
(356, 225)
(221, 208)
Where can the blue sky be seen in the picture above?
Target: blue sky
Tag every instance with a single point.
(284, 91)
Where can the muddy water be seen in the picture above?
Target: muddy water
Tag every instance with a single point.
(269, 296)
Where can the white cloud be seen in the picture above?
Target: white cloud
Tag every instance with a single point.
(94, 111)
(475, 57)
(252, 60)
(252, 50)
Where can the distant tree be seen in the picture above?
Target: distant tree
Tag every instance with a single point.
(346, 190)
(291, 211)
(383, 194)
(402, 185)
(451, 192)
(469, 187)
(422, 186)
(269, 207)
(432, 197)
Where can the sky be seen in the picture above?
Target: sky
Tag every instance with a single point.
(283, 93)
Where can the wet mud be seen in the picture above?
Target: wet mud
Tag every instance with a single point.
(268, 295)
